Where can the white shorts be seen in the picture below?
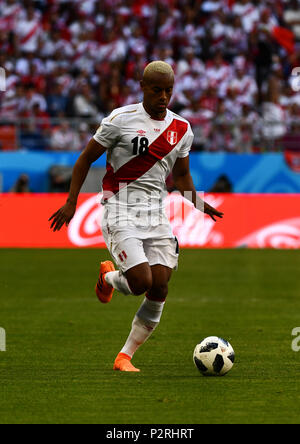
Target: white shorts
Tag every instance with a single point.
(130, 252)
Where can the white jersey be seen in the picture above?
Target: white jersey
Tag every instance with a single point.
(141, 153)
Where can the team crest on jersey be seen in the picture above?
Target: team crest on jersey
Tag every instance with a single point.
(172, 137)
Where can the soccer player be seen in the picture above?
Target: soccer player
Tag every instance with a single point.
(144, 143)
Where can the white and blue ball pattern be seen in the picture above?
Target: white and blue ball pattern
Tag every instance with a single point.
(214, 356)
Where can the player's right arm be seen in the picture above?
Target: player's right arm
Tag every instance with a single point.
(64, 215)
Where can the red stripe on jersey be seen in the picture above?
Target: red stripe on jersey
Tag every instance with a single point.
(139, 165)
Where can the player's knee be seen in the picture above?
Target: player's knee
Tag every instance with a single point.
(140, 285)
(159, 292)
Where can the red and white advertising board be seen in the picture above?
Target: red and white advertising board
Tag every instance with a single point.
(254, 221)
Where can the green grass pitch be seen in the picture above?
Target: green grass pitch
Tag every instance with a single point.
(61, 342)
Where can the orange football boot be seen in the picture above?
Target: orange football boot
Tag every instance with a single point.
(104, 291)
(123, 363)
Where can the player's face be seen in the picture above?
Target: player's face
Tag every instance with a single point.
(157, 91)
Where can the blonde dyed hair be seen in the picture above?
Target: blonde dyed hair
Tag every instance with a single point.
(158, 67)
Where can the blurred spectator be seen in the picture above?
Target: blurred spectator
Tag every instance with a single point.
(236, 40)
(30, 99)
(243, 82)
(222, 185)
(65, 138)
(85, 135)
(10, 11)
(57, 101)
(292, 16)
(274, 118)
(291, 140)
(28, 31)
(35, 128)
(201, 121)
(209, 100)
(39, 120)
(248, 129)
(189, 63)
(222, 138)
(60, 179)
(84, 103)
(9, 99)
(210, 6)
(293, 115)
(22, 185)
(248, 12)
(218, 73)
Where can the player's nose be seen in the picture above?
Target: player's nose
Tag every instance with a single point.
(163, 97)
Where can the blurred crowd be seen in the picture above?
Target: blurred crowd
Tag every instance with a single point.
(70, 63)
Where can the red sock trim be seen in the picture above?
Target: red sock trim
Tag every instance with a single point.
(155, 299)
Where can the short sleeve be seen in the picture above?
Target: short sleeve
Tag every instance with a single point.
(107, 134)
(187, 143)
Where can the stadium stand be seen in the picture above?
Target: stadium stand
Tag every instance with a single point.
(69, 63)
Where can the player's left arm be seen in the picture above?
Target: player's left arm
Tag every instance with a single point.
(184, 183)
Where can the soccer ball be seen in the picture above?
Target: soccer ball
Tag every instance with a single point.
(214, 356)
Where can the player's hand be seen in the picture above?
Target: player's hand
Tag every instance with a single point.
(63, 216)
(212, 212)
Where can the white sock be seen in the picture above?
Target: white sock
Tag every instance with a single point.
(144, 323)
(117, 280)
